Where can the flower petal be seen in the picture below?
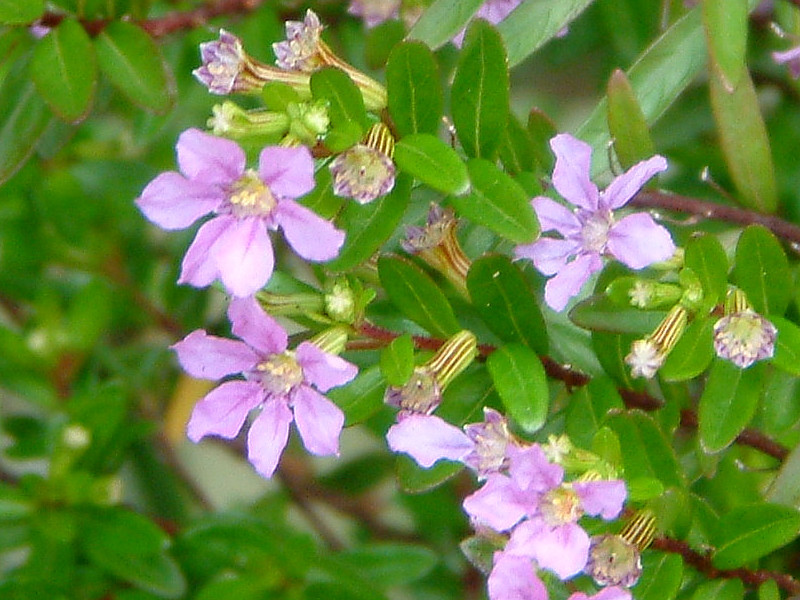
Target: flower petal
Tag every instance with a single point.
(569, 280)
(514, 578)
(268, 435)
(571, 173)
(604, 498)
(609, 593)
(257, 328)
(548, 255)
(554, 216)
(427, 439)
(243, 256)
(624, 187)
(223, 410)
(563, 550)
(532, 471)
(311, 236)
(289, 172)
(496, 504)
(173, 202)
(318, 420)
(324, 371)
(638, 241)
(199, 268)
(209, 158)
(210, 357)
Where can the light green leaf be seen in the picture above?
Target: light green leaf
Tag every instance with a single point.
(762, 271)
(480, 92)
(133, 63)
(397, 360)
(362, 397)
(750, 532)
(517, 151)
(724, 589)
(443, 20)
(626, 122)
(787, 346)
(433, 162)
(415, 93)
(785, 488)
(725, 24)
(521, 383)
(600, 313)
(661, 576)
(345, 103)
(692, 354)
(20, 12)
(706, 257)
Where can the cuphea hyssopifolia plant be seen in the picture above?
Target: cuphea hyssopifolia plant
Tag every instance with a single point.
(325, 176)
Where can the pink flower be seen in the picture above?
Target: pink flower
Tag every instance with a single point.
(790, 58)
(374, 12)
(234, 246)
(493, 11)
(591, 231)
(276, 380)
(609, 593)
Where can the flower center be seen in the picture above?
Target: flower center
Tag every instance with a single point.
(251, 197)
(594, 232)
(744, 338)
(614, 561)
(420, 395)
(362, 173)
(280, 373)
(561, 506)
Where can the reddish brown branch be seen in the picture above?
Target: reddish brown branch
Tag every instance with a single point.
(702, 563)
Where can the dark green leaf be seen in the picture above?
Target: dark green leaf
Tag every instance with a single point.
(542, 129)
(750, 532)
(785, 488)
(729, 401)
(626, 122)
(433, 162)
(725, 24)
(517, 151)
(391, 564)
(479, 95)
(65, 71)
(692, 354)
(706, 257)
(362, 397)
(611, 350)
(133, 63)
(321, 199)
(416, 295)
(521, 383)
(415, 93)
(498, 203)
(588, 409)
(600, 313)
(345, 103)
(725, 589)
(787, 346)
(661, 576)
(380, 42)
(368, 226)
(397, 360)
(415, 480)
(443, 20)
(762, 271)
(20, 12)
(506, 302)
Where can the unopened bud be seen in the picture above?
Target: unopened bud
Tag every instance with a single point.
(366, 171)
(743, 336)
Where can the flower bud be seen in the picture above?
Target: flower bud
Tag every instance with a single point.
(648, 354)
(308, 121)
(616, 559)
(231, 121)
(331, 341)
(366, 171)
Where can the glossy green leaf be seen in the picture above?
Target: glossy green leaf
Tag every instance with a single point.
(787, 346)
(322, 200)
(605, 444)
(611, 350)
(727, 404)
(785, 488)
(706, 257)
(725, 24)
(724, 589)
(433, 162)
(362, 397)
(750, 532)
(588, 409)
(533, 23)
(380, 41)
(769, 590)
(416, 295)
(415, 480)
(517, 151)
(744, 141)
(600, 313)
(368, 226)
(65, 71)
(692, 354)
(345, 103)
(133, 63)
(521, 383)
(391, 564)
(661, 576)
(442, 21)
(626, 122)
(542, 129)
(498, 203)
(20, 12)
(480, 92)
(762, 271)
(414, 89)
(506, 302)
(397, 360)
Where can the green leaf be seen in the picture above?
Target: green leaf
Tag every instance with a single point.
(498, 203)
(380, 41)
(433, 162)
(415, 92)
(391, 564)
(133, 63)
(368, 226)
(600, 313)
(588, 409)
(416, 295)
(321, 199)
(750, 532)
(692, 354)
(626, 122)
(517, 151)
(65, 71)
(744, 142)
(725, 24)
(727, 404)
(787, 346)
(611, 350)
(769, 590)
(397, 360)
(762, 271)
(785, 488)
(24, 117)
(20, 12)
(480, 92)
(505, 301)
(131, 547)
(661, 576)
(706, 257)
(345, 102)
(362, 397)
(443, 20)
(542, 129)
(521, 383)
(413, 479)
(533, 23)
(725, 589)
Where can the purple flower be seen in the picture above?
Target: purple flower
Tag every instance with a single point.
(791, 58)
(541, 511)
(374, 12)
(493, 11)
(277, 381)
(234, 246)
(591, 231)
(610, 593)
(514, 578)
